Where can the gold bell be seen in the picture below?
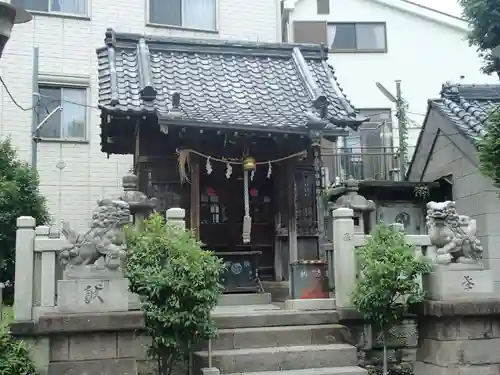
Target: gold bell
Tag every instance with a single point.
(249, 164)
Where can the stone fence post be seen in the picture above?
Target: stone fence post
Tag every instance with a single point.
(177, 217)
(345, 257)
(23, 287)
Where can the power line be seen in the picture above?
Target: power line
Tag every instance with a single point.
(14, 100)
(40, 96)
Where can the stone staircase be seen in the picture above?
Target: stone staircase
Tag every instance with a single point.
(260, 339)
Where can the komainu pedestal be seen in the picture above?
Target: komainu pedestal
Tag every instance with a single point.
(459, 331)
(458, 273)
(99, 292)
(93, 279)
(457, 282)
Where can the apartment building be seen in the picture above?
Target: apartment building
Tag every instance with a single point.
(421, 43)
(74, 173)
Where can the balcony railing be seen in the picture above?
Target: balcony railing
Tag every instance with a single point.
(362, 163)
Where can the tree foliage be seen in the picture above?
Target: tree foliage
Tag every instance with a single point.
(178, 284)
(484, 19)
(489, 148)
(19, 196)
(389, 280)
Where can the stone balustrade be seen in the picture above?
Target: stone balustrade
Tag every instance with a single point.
(38, 269)
(345, 266)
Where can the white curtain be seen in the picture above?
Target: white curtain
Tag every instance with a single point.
(199, 14)
(69, 6)
(73, 115)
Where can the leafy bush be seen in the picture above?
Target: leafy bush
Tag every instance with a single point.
(178, 283)
(489, 148)
(483, 17)
(19, 196)
(388, 282)
(14, 355)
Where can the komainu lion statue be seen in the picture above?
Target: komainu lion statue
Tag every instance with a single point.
(105, 238)
(453, 235)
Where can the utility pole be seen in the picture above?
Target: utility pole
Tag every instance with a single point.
(34, 119)
(402, 127)
(402, 130)
(35, 126)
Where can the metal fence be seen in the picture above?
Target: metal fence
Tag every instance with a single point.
(363, 163)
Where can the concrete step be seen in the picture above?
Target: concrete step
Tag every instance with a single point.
(241, 318)
(244, 299)
(344, 370)
(279, 290)
(278, 358)
(260, 337)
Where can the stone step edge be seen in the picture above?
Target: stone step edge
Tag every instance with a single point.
(281, 328)
(277, 349)
(341, 370)
(236, 314)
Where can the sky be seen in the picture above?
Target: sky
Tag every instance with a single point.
(446, 6)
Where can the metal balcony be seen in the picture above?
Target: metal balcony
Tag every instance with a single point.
(362, 164)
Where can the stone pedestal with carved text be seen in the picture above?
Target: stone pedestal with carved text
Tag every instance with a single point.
(456, 282)
(93, 295)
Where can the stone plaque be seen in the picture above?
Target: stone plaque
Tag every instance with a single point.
(93, 295)
(458, 284)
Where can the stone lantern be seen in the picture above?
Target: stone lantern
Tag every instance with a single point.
(140, 205)
(359, 204)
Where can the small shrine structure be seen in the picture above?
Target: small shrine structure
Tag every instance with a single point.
(230, 132)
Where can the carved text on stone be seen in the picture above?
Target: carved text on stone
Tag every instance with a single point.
(92, 292)
(468, 283)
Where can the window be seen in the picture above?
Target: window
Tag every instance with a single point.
(357, 37)
(69, 123)
(193, 14)
(54, 6)
(323, 6)
(372, 134)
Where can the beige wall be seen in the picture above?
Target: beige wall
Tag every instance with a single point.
(67, 54)
(474, 194)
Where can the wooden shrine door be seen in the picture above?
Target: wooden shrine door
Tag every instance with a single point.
(222, 211)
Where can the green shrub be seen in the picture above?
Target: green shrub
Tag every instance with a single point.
(14, 355)
(388, 282)
(178, 283)
(19, 196)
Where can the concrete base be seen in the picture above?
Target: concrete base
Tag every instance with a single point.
(460, 338)
(92, 295)
(210, 371)
(244, 299)
(310, 304)
(458, 283)
(101, 367)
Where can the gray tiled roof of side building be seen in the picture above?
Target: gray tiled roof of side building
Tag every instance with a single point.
(468, 106)
(221, 82)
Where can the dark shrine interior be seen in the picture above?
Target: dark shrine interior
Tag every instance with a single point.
(221, 194)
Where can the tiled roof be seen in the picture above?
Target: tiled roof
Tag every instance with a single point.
(468, 106)
(221, 83)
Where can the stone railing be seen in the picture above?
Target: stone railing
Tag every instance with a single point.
(343, 254)
(38, 269)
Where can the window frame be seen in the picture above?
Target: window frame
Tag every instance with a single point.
(318, 6)
(215, 30)
(366, 111)
(356, 49)
(53, 13)
(87, 117)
